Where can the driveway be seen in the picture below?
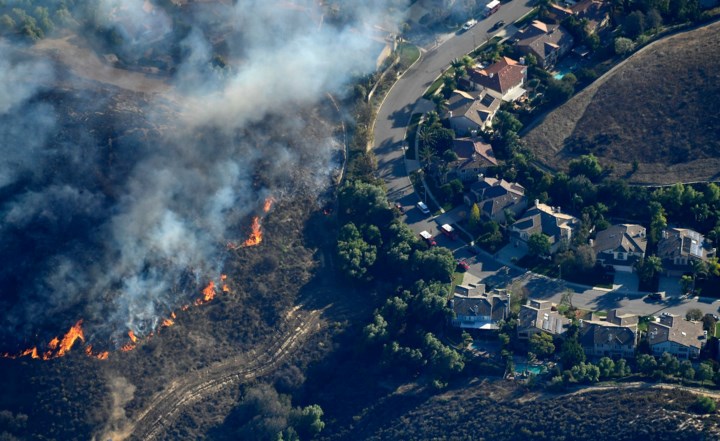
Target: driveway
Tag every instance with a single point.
(624, 282)
(671, 286)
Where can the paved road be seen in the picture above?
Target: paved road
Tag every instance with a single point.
(394, 115)
(404, 99)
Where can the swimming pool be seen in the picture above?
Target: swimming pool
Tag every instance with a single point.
(521, 368)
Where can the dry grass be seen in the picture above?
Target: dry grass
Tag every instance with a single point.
(659, 108)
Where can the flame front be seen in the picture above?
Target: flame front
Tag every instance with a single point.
(74, 334)
(255, 234)
(208, 294)
(268, 204)
(167, 323)
(132, 336)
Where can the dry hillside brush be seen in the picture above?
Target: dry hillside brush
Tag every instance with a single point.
(658, 109)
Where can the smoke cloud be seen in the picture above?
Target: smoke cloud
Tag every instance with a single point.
(117, 205)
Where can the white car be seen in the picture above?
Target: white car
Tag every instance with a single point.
(423, 208)
(469, 24)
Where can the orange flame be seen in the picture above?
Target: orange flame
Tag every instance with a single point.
(132, 336)
(268, 204)
(208, 294)
(32, 352)
(53, 344)
(223, 276)
(102, 355)
(255, 234)
(128, 347)
(225, 288)
(74, 334)
(167, 323)
(172, 315)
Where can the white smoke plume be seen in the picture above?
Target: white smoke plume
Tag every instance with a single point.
(128, 242)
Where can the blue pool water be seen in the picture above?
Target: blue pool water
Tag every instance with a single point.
(533, 369)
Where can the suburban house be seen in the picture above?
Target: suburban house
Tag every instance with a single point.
(539, 316)
(497, 198)
(596, 12)
(474, 157)
(476, 309)
(676, 336)
(679, 247)
(620, 246)
(546, 42)
(615, 337)
(469, 113)
(547, 220)
(505, 77)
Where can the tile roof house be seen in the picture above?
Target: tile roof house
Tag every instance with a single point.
(547, 220)
(476, 309)
(506, 77)
(679, 247)
(471, 112)
(608, 339)
(676, 336)
(539, 316)
(596, 12)
(547, 42)
(495, 196)
(474, 157)
(620, 246)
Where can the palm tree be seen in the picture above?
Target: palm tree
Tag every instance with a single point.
(426, 155)
(426, 136)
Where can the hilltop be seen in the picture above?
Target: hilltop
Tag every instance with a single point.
(658, 108)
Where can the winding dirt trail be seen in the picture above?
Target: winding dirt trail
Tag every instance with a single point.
(166, 406)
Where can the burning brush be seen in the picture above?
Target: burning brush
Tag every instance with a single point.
(256, 235)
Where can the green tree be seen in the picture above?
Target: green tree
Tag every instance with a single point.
(376, 332)
(437, 263)
(694, 314)
(308, 421)
(607, 367)
(704, 405)
(704, 372)
(646, 364)
(443, 360)
(623, 46)
(658, 221)
(686, 283)
(621, 368)
(542, 345)
(686, 370)
(634, 25)
(474, 219)
(356, 256)
(647, 268)
(571, 353)
(669, 363)
(586, 165)
(538, 244)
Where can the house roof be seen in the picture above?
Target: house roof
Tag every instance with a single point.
(467, 148)
(542, 38)
(602, 333)
(500, 76)
(541, 316)
(683, 242)
(676, 330)
(472, 300)
(545, 219)
(480, 110)
(626, 238)
(496, 194)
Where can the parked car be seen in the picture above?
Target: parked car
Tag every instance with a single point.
(427, 237)
(497, 25)
(399, 207)
(463, 265)
(449, 231)
(469, 24)
(656, 296)
(423, 208)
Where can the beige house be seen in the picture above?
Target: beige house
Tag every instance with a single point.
(620, 246)
(679, 247)
(505, 77)
(677, 336)
(470, 112)
(550, 221)
(476, 309)
(546, 42)
(614, 337)
(539, 316)
(497, 198)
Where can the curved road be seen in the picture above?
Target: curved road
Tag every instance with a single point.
(394, 114)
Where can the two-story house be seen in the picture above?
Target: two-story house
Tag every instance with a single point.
(471, 112)
(677, 336)
(679, 247)
(550, 221)
(506, 77)
(546, 42)
(497, 199)
(615, 337)
(473, 159)
(540, 316)
(620, 246)
(476, 309)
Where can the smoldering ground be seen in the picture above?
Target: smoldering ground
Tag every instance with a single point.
(116, 206)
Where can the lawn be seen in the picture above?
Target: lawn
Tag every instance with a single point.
(409, 53)
(717, 329)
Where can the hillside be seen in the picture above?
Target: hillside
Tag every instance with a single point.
(497, 411)
(658, 108)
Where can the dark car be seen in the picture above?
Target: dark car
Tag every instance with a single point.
(399, 207)
(497, 25)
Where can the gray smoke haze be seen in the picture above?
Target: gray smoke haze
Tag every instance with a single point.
(127, 252)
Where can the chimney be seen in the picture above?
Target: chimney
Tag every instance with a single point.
(537, 202)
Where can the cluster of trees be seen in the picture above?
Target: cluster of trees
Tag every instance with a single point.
(374, 245)
(264, 414)
(33, 19)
